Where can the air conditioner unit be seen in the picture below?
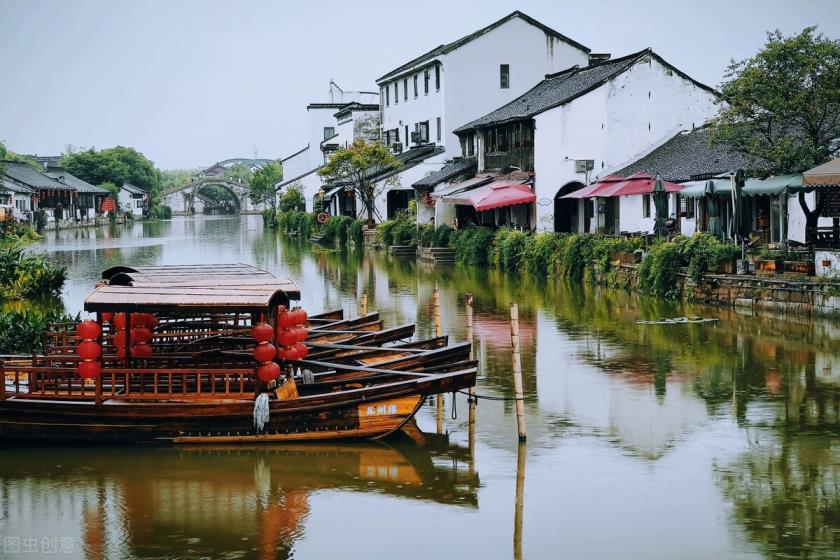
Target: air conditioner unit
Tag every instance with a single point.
(397, 147)
(584, 165)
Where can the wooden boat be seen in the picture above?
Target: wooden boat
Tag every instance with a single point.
(199, 383)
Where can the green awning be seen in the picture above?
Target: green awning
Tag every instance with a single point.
(697, 189)
(774, 186)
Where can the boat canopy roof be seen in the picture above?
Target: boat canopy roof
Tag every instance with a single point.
(191, 287)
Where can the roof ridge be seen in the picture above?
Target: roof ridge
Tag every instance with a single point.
(457, 43)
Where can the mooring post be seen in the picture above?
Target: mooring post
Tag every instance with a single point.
(468, 300)
(438, 332)
(519, 502)
(518, 391)
(363, 304)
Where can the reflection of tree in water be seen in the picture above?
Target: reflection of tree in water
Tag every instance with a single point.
(786, 495)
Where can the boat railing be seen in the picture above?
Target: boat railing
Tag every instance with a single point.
(46, 380)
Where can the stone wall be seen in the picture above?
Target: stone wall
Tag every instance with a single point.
(790, 294)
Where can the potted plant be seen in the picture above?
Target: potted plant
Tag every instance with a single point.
(770, 261)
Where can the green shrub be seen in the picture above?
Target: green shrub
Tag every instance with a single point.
(24, 275)
(426, 235)
(703, 253)
(21, 331)
(441, 236)
(301, 224)
(473, 245)
(508, 246)
(402, 230)
(269, 218)
(658, 271)
(356, 233)
(539, 256)
(336, 228)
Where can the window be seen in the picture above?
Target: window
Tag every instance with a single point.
(688, 208)
(467, 146)
(504, 76)
(438, 129)
(405, 89)
(645, 206)
(426, 81)
(329, 132)
(415, 85)
(387, 96)
(437, 77)
(423, 129)
(407, 137)
(396, 93)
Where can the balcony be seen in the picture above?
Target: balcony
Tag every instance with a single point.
(523, 158)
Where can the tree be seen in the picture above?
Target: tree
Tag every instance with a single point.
(782, 106)
(238, 172)
(261, 188)
(119, 165)
(358, 166)
(293, 199)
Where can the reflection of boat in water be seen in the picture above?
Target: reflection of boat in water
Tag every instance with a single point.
(214, 500)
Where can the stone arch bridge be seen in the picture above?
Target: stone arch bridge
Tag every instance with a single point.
(185, 199)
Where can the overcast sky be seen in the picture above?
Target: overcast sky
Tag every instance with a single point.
(189, 83)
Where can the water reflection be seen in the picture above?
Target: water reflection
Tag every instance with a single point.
(713, 440)
(215, 502)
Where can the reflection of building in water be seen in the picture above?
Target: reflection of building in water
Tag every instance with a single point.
(212, 502)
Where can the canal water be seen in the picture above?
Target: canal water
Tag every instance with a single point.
(702, 440)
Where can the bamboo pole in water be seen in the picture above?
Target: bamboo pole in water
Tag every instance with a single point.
(438, 332)
(519, 502)
(471, 423)
(363, 304)
(517, 371)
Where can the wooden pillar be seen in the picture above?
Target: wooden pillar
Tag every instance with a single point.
(98, 391)
(438, 332)
(519, 502)
(471, 399)
(517, 371)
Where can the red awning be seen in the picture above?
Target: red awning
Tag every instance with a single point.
(500, 194)
(594, 189)
(638, 183)
(108, 205)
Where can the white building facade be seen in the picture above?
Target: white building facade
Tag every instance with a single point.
(582, 123)
(424, 100)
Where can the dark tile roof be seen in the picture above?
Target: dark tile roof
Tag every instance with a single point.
(75, 182)
(356, 106)
(449, 47)
(448, 171)
(133, 189)
(297, 153)
(7, 185)
(409, 159)
(562, 87)
(24, 174)
(689, 156)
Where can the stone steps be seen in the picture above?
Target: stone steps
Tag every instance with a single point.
(402, 250)
(437, 255)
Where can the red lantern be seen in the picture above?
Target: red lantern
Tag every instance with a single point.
(89, 350)
(304, 317)
(89, 370)
(144, 320)
(300, 350)
(268, 372)
(119, 339)
(141, 351)
(121, 353)
(119, 320)
(141, 335)
(302, 333)
(264, 352)
(262, 332)
(286, 319)
(286, 337)
(283, 353)
(107, 317)
(89, 330)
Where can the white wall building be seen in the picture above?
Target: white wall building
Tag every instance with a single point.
(330, 125)
(132, 199)
(583, 122)
(454, 83)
